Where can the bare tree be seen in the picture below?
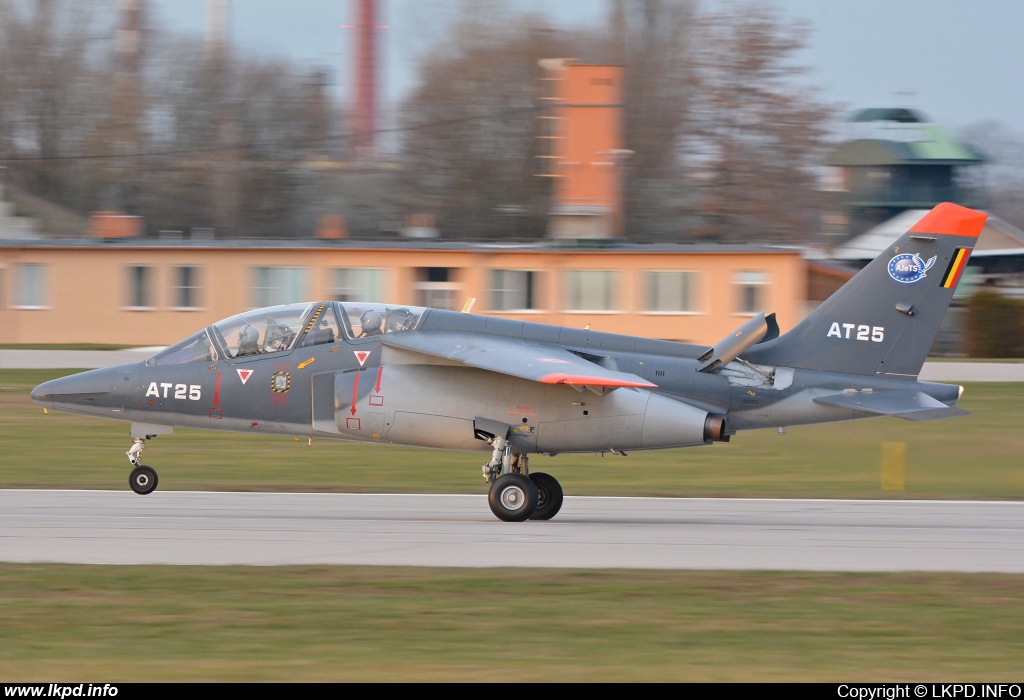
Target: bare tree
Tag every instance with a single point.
(650, 39)
(754, 134)
(1003, 172)
(180, 137)
(226, 135)
(471, 127)
(725, 139)
(49, 104)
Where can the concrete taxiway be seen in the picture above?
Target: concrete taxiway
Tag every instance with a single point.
(205, 528)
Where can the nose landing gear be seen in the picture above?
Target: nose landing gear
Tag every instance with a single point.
(143, 479)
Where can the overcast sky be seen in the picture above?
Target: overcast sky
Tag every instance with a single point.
(958, 61)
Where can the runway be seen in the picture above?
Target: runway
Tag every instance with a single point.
(205, 528)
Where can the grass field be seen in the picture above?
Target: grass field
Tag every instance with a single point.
(405, 624)
(974, 457)
(106, 624)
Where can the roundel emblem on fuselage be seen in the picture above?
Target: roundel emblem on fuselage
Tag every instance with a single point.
(907, 268)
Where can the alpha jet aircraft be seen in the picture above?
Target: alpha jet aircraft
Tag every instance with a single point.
(433, 378)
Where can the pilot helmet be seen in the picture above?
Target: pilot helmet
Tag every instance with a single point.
(370, 319)
(248, 336)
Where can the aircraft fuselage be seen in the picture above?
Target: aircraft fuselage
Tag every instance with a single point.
(361, 389)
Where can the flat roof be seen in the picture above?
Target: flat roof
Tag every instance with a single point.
(541, 246)
(931, 146)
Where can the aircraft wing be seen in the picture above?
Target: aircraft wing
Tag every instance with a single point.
(539, 362)
(909, 405)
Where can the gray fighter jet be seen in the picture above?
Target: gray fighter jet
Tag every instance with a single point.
(433, 378)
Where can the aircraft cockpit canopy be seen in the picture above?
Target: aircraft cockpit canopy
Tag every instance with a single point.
(363, 320)
(261, 331)
(279, 328)
(195, 348)
(256, 332)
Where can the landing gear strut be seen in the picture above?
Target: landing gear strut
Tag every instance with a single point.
(515, 494)
(143, 479)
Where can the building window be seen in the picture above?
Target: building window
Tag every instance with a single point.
(272, 286)
(137, 292)
(750, 291)
(30, 292)
(513, 290)
(358, 284)
(186, 287)
(834, 179)
(671, 291)
(591, 290)
(436, 289)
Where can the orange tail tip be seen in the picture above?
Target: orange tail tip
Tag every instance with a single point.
(951, 220)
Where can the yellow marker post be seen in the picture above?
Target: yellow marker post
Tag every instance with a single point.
(894, 466)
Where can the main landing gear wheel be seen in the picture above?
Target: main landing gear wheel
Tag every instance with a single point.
(513, 498)
(143, 480)
(549, 496)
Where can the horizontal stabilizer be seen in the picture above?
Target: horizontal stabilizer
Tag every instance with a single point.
(937, 414)
(911, 405)
(538, 362)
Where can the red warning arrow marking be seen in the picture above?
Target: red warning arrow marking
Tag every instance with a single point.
(355, 393)
(216, 392)
(380, 371)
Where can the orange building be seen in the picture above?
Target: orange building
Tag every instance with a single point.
(586, 150)
(145, 292)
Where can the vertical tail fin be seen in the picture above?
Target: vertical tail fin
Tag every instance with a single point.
(883, 321)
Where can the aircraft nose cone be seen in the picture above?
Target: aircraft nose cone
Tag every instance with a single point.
(72, 389)
(39, 393)
(47, 391)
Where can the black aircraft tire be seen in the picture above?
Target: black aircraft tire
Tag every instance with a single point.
(549, 496)
(143, 480)
(512, 498)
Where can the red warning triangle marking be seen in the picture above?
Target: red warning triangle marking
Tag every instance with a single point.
(244, 374)
(361, 355)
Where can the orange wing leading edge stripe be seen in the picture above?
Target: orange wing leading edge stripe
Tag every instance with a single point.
(583, 380)
(951, 220)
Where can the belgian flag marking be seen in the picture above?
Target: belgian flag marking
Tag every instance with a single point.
(956, 267)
